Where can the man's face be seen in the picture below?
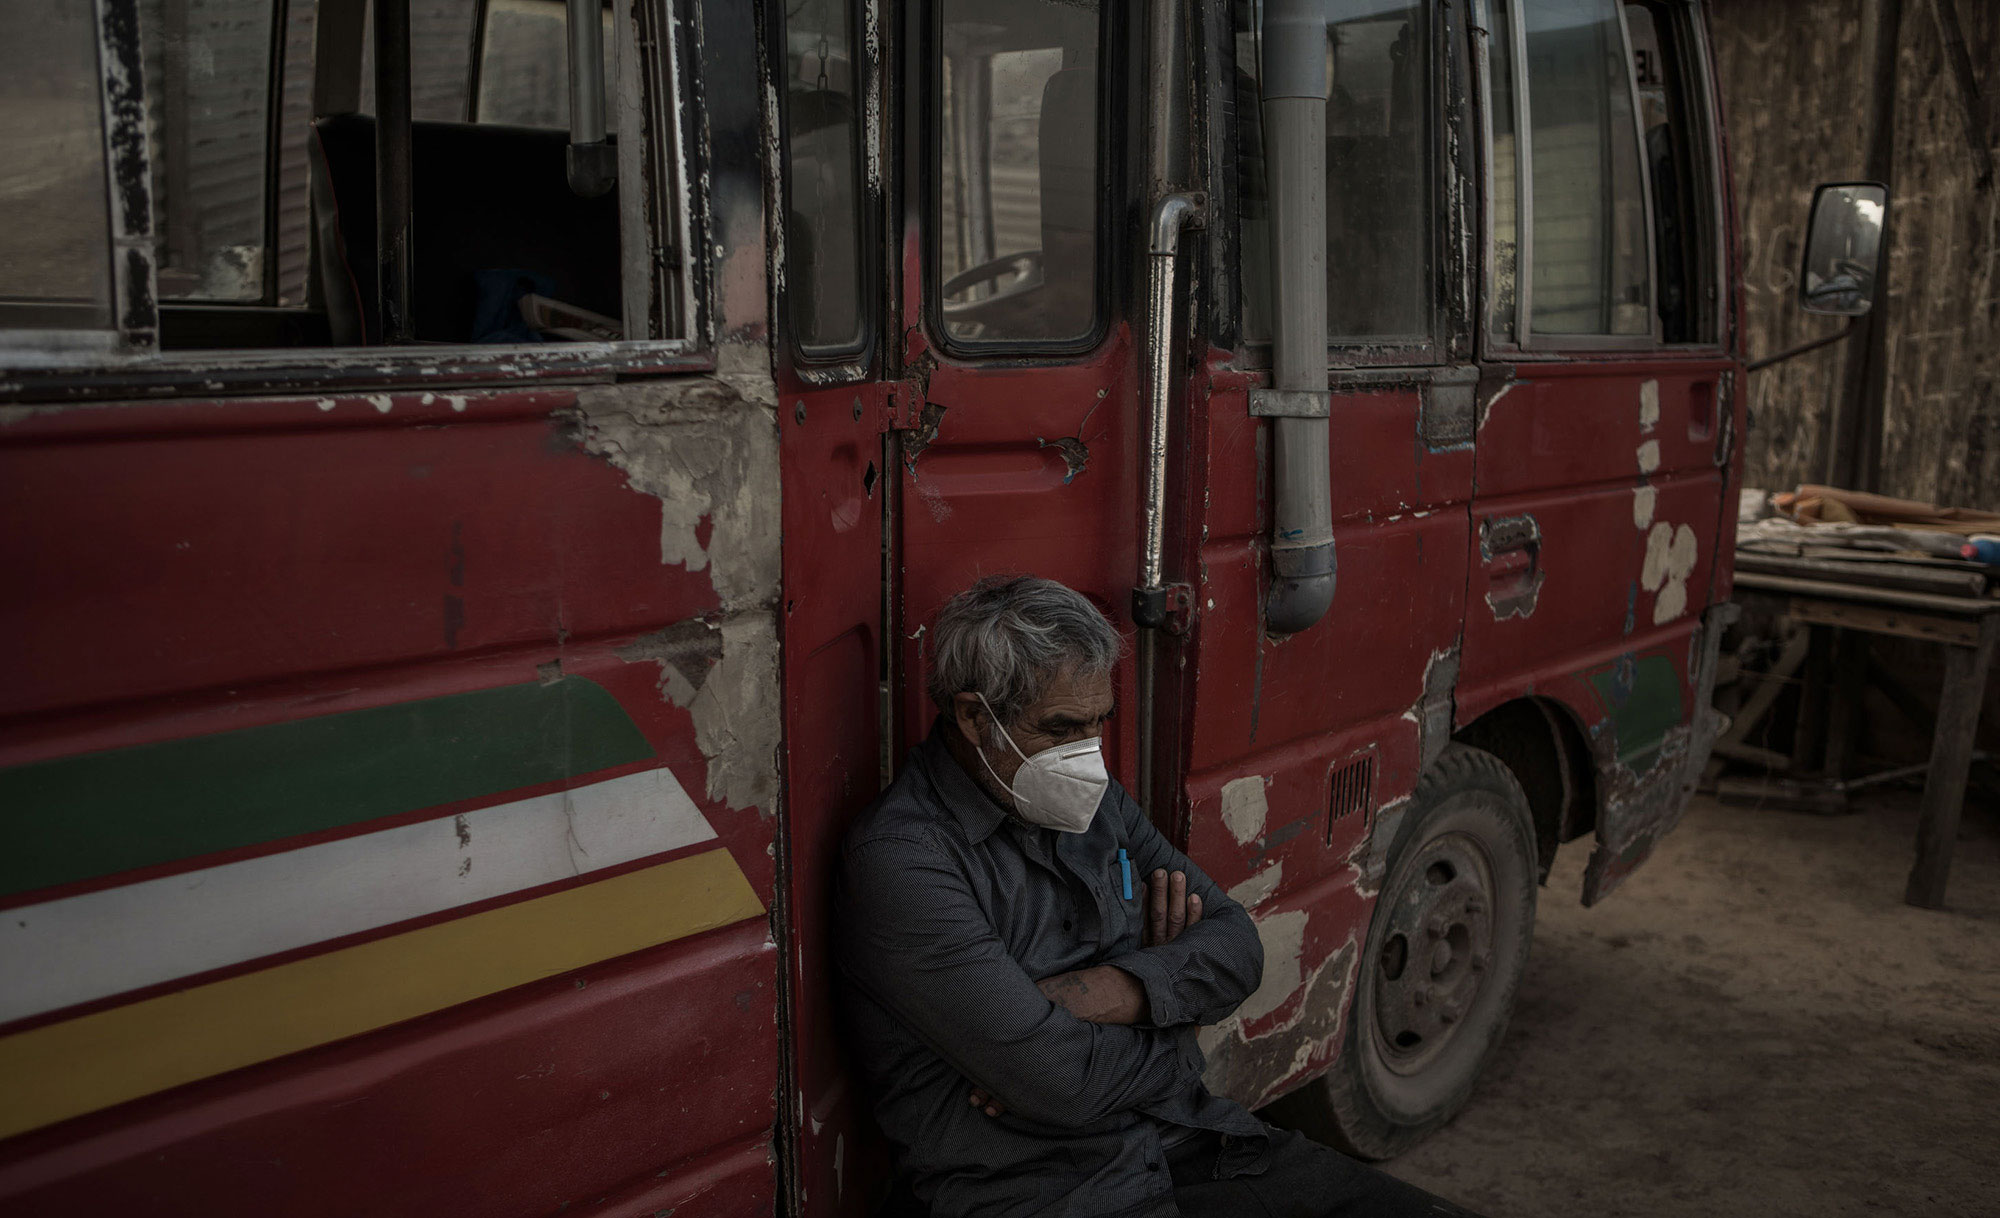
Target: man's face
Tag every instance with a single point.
(1072, 707)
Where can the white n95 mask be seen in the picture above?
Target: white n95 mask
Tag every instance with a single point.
(1058, 788)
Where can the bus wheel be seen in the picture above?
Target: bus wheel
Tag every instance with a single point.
(1446, 950)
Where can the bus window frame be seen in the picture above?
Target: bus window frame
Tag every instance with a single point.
(1113, 31)
(678, 278)
(1706, 159)
(133, 274)
(857, 362)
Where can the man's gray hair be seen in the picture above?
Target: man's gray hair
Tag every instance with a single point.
(1007, 635)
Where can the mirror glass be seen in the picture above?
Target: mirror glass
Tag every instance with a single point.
(1843, 249)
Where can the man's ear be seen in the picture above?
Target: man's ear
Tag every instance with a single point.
(968, 714)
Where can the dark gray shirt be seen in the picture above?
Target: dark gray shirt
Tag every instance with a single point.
(949, 911)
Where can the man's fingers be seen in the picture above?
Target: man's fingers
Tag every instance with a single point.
(1156, 909)
(1194, 908)
(980, 1099)
(1176, 905)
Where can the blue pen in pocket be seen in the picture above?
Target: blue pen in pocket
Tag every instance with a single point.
(1125, 871)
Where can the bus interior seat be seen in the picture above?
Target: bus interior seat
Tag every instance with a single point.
(484, 197)
(1068, 172)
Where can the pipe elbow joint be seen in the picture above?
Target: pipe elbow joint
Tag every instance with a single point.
(1301, 588)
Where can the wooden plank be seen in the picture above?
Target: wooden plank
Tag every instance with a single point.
(1951, 760)
(1963, 606)
(1907, 577)
(1933, 628)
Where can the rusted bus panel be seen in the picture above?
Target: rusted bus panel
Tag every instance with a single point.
(203, 573)
(1276, 719)
(836, 489)
(1601, 485)
(1290, 1028)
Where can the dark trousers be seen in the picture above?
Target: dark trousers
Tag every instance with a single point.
(1303, 1180)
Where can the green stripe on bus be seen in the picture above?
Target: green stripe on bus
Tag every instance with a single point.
(101, 813)
(1645, 704)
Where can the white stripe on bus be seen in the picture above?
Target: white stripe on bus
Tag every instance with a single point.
(81, 948)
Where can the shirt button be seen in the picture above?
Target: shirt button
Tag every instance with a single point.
(1066, 924)
(1152, 1167)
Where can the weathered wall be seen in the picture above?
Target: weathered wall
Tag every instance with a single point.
(1797, 79)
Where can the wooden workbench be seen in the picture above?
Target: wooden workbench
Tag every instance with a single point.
(1966, 627)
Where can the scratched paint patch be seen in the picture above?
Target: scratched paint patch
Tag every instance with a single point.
(1245, 808)
(1258, 888)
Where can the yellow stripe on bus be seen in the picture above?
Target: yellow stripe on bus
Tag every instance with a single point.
(51, 1073)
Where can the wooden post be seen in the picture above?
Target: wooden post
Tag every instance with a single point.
(1951, 760)
(1854, 458)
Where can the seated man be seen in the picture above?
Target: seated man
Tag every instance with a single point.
(1028, 960)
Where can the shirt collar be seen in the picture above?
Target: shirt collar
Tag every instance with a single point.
(962, 797)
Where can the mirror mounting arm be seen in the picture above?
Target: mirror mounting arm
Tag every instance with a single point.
(1849, 330)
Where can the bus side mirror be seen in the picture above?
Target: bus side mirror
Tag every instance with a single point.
(1843, 249)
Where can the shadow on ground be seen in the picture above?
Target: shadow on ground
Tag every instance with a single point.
(1754, 1024)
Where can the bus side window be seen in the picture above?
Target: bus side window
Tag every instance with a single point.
(1682, 236)
(1587, 273)
(55, 261)
(1380, 193)
(823, 213)
(257, 146)
(1016, 215)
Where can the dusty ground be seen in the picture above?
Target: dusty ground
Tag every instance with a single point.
(1754, 1024)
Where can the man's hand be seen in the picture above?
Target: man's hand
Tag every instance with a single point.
(1169, 908)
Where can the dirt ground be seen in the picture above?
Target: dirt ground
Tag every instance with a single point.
(1754, 1024)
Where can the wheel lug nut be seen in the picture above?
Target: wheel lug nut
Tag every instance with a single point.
(1475, 906)
(1479, 963)
(1419, 997)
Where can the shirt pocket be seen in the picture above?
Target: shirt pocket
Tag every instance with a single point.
(1122, 918)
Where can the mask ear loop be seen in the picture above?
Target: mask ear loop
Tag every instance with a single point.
(1005, 786)
(1004, 736)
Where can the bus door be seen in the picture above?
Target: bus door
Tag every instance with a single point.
(1603, 452)
(832, 425)
(1017, 412)
(1301, 742)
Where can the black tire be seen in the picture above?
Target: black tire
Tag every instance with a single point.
(1460, 885)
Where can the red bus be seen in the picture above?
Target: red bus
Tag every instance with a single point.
(477, 472)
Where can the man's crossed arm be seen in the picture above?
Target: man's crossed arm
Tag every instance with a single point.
(1105, 993)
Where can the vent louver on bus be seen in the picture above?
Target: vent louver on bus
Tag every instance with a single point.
(1351, 788)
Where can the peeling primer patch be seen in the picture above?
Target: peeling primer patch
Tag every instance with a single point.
(1643, 500)
(1649, 405)
(1284, 937)
(1437, 706)
(1649, 456)
(1516, 596)
(1253, 1070)
(1489, 397)
(703, 450)
(1075, 456)
(1670, 557)
(324, 404)
(733, 705)
(1258, 888)
(1244, 808)
(380, 401)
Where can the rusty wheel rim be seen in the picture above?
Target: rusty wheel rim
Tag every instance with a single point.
(1436, 954)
